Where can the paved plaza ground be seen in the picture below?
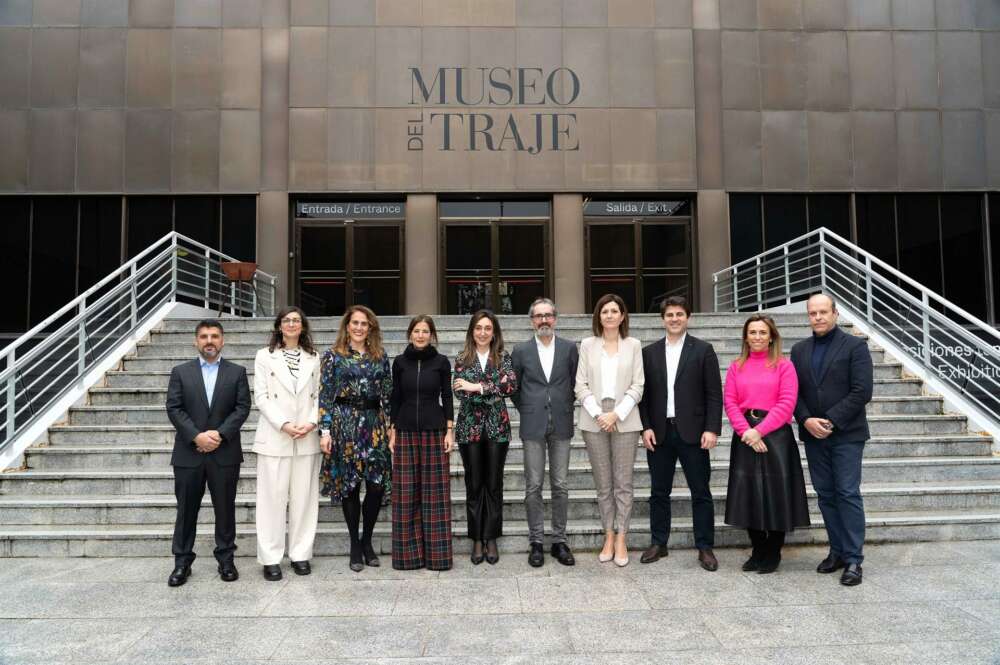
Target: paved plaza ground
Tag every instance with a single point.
(920, 603)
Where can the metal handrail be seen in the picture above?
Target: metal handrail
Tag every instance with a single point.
(72, 341)
(948, 344)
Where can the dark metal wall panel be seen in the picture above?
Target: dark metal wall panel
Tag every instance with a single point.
(673, 13)
(104, 13)
(740, 70)
(307, 148)
(870, 58)
(708, 107)
(875, 164)
(147, 150)
(677, 163)
(102, 67)
(824, 14)
(956, 14)
(913, 14)
(151, 13)
(919, 144)
(784, 149)
(741, 131)
(150, 53)
(993, 148)
(241, 13)
(52, 159)
(351, 67)
(869, 14)
(239, 151)
(963, 139)
(14, 156)
(991, 69)
(961, 70)
(198, 13)
(782, 70)
(100, 150)
(15, 74)
(195, 159)
(274, 108)
(55, 59)
(830, 154)
(51, 13)
(241, 68)
(779, 14)
(827, 76)
(915, 62)
(351, 149)
(352, 12)
(197, 66)
(673, 57)
(307, 67)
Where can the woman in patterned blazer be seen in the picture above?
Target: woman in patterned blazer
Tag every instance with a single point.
(484, 376)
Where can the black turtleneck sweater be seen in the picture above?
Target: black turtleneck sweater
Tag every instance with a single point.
(820, 346)
(421, 390)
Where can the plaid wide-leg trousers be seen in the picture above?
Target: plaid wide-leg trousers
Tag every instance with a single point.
(421, 502)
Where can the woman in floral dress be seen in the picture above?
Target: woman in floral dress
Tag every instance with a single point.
(484, 376)
(355, 386)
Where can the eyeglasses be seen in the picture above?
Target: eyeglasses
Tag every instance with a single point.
(544, 317)
(291, 322)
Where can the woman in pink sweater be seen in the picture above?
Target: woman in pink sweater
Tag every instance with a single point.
(767, 492)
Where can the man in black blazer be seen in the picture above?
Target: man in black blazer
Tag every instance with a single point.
(835, 383)
(681, 412)
(546, 372)
(208, 400)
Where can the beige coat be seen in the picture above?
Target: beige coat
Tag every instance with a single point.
(281, 399)
(629, 381)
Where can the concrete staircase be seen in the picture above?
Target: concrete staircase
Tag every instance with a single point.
(101, 484)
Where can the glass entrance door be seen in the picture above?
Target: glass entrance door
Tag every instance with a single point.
(494, 264)
(348, 263)
(641, 260)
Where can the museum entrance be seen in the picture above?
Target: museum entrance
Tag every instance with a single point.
(350, 261)
(496, 255)
(639, 250)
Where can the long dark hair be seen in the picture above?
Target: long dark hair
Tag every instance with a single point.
(598, 327)
(342, 346)
(278, 340)
(468, 354)
(422, 318)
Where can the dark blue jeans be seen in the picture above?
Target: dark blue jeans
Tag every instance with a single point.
(835, 468)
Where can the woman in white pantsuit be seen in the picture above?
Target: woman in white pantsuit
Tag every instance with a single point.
(286, 391)
(609, 384)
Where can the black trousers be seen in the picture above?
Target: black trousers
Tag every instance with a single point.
(697, 467)
(189, 488)
(483, 462)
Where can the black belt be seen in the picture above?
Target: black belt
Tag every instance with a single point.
(755, 414)
(359, 403)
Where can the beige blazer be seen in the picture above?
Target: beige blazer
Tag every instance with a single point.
(629, 381)
(281, 399)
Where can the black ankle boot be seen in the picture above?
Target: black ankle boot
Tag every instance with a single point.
(772, 552)
(757, 553)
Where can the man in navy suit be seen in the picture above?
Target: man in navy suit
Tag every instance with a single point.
(835, 384)
(208, 400)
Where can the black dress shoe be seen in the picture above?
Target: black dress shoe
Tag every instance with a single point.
(179, 576)
(272, 573)
(228, 572)
(562, 554)
(706, 558)
(654, 553)
(830, 564)
(301, 567)
(492, 554)
(851, 575)
(536, 555)
(751, 564)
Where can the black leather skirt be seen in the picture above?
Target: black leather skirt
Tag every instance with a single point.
(766, 490)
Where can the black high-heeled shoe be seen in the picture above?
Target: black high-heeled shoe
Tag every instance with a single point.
(477, 553)
(492, 555)
(371, 559)
(357, 562)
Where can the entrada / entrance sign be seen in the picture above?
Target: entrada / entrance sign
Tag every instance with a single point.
(350, 210)
(520, 131)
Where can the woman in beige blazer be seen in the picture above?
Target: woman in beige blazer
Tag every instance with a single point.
(609, 383)
(286, 390)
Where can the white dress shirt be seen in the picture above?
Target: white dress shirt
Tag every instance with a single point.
(546, 356)
(609, 374)
(673, 359)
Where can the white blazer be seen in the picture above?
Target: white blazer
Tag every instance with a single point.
(630, 380)
(281, 399)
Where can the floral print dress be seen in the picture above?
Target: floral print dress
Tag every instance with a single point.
(484, 416)
(360, 436)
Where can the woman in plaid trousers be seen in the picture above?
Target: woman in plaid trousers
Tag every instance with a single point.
(421, 438)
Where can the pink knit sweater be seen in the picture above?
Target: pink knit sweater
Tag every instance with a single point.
(757, 386)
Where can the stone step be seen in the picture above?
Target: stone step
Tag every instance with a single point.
(875, 470)
(92, 454)
(582, 505)
(150, 540)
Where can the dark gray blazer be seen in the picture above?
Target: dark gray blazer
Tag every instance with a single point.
(188, 410)
(535, 396)
(840, 391)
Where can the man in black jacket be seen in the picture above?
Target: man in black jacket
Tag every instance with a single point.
(208, 400)
(835, 383)
(681, 412)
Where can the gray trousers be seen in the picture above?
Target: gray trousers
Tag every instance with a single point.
(612, 459)
(534, 477)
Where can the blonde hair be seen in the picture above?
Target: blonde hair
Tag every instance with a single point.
(774, 348)
(373, 343)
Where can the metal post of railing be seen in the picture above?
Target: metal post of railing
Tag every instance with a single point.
(11, 395)
(715, 293)
(81, 342)
(868, 290)
(133, 305)
(760, 292)
(788, 281)
(208, 277)
(736, 290)
(822, 264)
(925, 312)
(232, 297)
(173, 268)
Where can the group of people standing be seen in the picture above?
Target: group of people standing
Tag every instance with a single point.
(335, 423)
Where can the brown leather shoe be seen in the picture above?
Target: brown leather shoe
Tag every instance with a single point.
(707, 560)
(653, 553)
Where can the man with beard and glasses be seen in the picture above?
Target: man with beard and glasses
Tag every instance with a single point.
(208, 400)
(546, 371)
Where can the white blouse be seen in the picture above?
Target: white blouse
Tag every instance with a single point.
(609, 381)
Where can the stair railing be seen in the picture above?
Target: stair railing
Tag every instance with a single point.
(955, 351)
(57, 358)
